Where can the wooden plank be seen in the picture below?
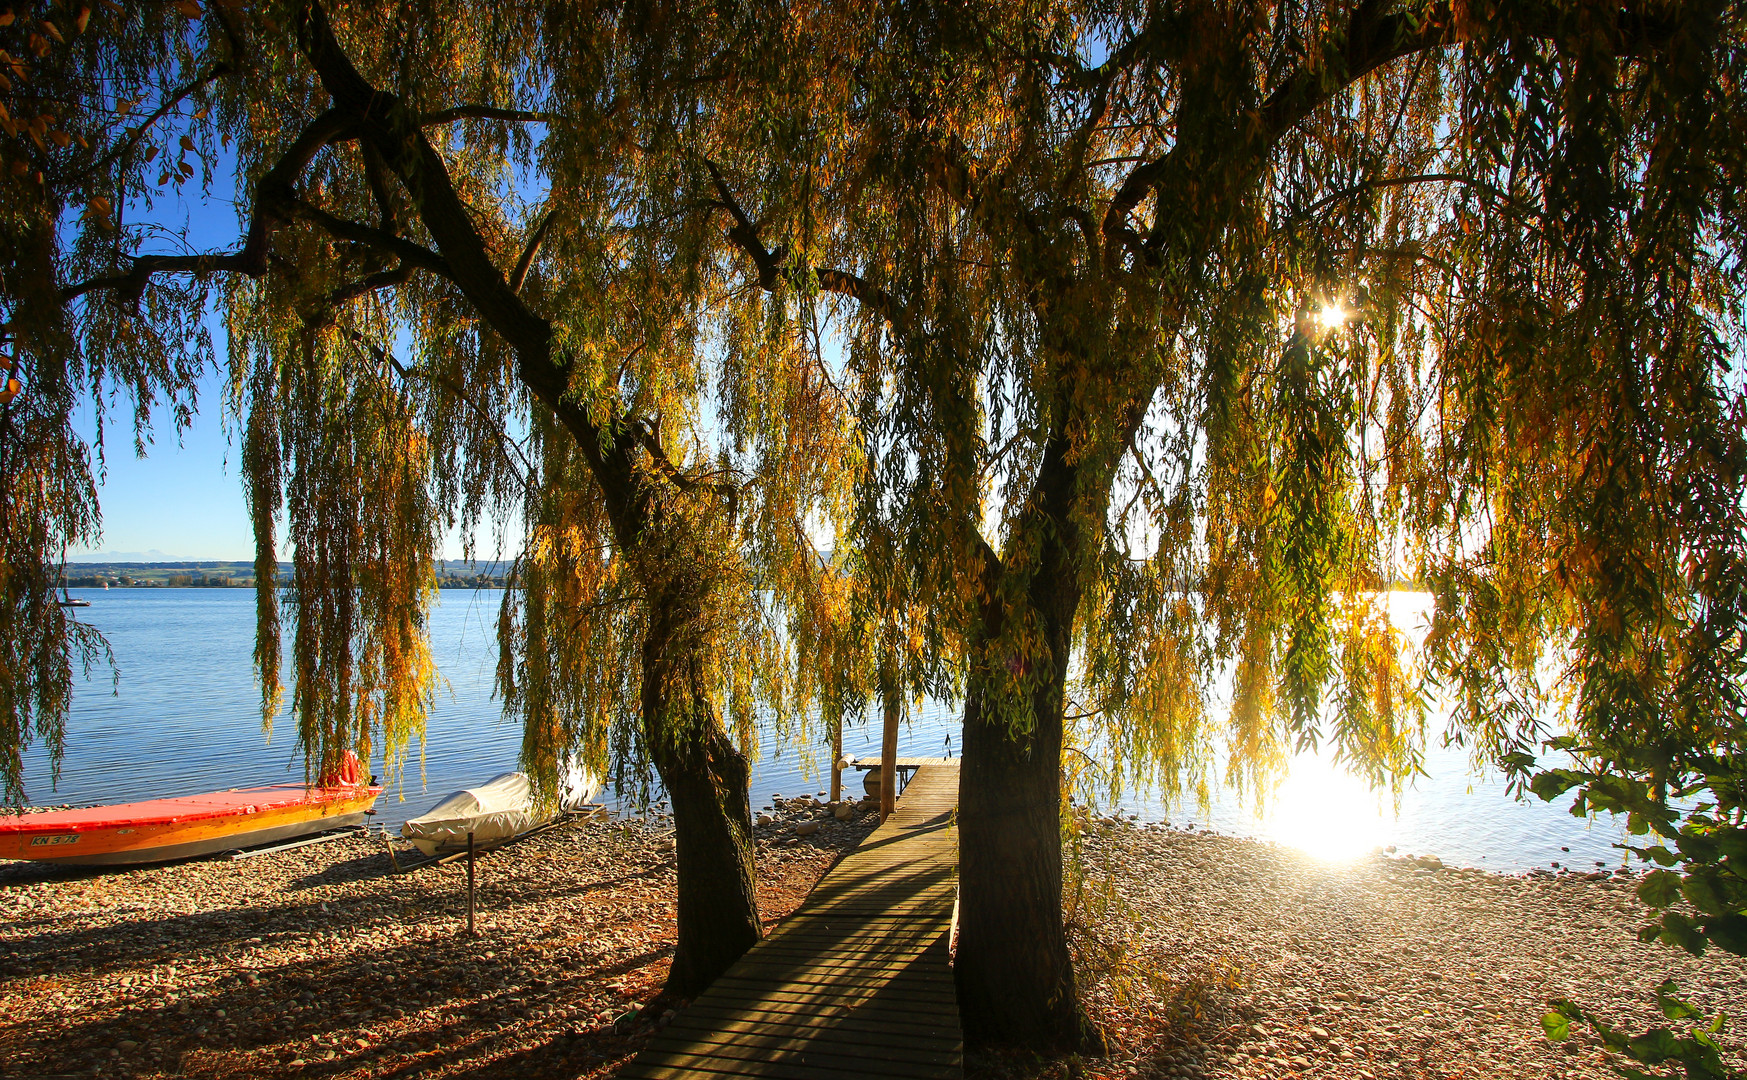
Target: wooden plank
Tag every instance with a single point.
(875, 1039)
(924, 999)
(844, 1023)
(807, 1050)
(792, 1039)
(855, 984)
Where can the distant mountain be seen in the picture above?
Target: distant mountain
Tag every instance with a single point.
(152, 556)
(99, 572)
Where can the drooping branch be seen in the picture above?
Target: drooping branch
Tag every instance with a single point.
(383, 122)
(772, 267)
(1373, 38)
(517, 462)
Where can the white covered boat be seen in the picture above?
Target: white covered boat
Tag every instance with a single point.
(496, 811)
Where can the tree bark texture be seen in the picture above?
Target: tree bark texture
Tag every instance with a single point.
(1014, 973)
(708, 780)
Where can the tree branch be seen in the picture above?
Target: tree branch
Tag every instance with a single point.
(1403, 181)
(483, 112)
(369, 236)
(385, 123)
(1372, 39)
(770, 266)
(385, 279)
(520, 273)
(273, 201)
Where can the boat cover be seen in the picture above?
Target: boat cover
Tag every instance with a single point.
(493, 812)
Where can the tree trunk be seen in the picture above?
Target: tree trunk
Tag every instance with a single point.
(1015, 977)
(1014, 973)
(708, 781)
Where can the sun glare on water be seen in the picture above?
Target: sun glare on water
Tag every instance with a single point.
(1325, 811)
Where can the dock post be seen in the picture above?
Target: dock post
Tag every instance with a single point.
(470, 932)
(837, 759)
(889, 691)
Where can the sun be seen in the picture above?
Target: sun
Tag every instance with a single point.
(1332, 315)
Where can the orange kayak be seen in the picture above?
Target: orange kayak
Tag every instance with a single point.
(180, 828)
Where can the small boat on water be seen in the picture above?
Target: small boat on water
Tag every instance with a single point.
(495, 812)
(163, 829)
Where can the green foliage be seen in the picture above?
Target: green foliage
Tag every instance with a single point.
(1696, 1050)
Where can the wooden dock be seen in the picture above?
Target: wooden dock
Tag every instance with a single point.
(855, 983)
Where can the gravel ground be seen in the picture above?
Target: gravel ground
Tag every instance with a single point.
(1379, 968)
(1202, 956)
(322, 962)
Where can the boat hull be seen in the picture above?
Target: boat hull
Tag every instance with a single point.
(167, 829)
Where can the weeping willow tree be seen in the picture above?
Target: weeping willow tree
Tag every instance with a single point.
(1182, 331)
(467, 290)
(1175, 333)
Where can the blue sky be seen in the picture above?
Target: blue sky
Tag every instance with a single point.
(184, 499)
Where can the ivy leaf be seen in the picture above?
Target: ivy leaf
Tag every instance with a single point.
(1671, 1006)
(1659, 888)
(1728, 933)
(1554, 783)
(1655, 1046)
(1677, 929)
(1732, 842)
(1701, 892)
(1557, 1027)
(1518, 761)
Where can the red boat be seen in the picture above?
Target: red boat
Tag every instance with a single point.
(164, 829)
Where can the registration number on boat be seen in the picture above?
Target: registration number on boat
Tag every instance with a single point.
(50, 841)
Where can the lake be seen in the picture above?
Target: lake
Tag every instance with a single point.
(186, 718)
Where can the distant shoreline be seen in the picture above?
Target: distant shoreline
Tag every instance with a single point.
(219, 574)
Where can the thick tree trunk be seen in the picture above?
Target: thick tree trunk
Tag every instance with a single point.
(1015, 979)
(708, 781)
(718, 905)
(1015, 976)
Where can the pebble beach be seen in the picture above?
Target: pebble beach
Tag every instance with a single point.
(1201, 956)
(1381, 968)
(324, 962)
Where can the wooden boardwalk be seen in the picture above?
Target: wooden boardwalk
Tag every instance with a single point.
(855, 983)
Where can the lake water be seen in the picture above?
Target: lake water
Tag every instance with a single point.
(186, 719)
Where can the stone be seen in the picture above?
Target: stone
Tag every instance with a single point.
(844, 812)
(765, 819)
(127, 1046)
(806, 828)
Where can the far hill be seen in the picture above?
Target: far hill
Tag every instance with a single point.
(214, 573)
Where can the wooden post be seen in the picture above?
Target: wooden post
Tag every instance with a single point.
(837, 759)
(889, 692)
(470, 932)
